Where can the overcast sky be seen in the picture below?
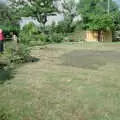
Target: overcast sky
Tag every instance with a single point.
(3, 0)
(118, 1)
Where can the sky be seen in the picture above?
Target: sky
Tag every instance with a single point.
(118, 1)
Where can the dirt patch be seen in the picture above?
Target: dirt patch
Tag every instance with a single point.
(90, 59)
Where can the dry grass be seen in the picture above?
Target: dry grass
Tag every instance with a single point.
(65, 84)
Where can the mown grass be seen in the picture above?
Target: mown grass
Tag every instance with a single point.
(54, 89)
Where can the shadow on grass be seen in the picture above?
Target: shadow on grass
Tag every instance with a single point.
(90, 59)
(4, 114)
(6, 73)
(33, 59)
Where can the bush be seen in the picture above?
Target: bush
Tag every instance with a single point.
(43, 37)
(8, 29)
(28, 33)
(19, 54)
(56, 37)
(64, 26)
(24, 38)
(39, 39)
(116, 36)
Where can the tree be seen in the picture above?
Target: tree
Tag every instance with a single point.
(68, 8)
(8, 20)
(3, 13)
(37, 9)
(95, 14)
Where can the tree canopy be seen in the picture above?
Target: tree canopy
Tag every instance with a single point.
(95, 14)
(67, 8)
(37, 9)
(8, 20)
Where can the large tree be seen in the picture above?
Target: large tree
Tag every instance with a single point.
(3, 13)
(67, 8)
(37, 9)
(9, 22)
(95, 14)
(98, 16)
(8, 15)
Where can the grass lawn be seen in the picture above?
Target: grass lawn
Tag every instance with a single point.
(71, 81)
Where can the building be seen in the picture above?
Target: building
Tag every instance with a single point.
(95, 36)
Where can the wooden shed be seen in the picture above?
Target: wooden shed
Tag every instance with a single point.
(96, 36)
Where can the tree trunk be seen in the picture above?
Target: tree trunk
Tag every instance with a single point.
(100, 36)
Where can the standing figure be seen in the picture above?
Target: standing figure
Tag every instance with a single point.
(14, 37)
(1, 41)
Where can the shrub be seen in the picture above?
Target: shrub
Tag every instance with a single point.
(56, 37)
(28, 33)
(7, 29)
(39, 39)
(30, 28)
(24, 37)
(19, 54)
(65, 26)
(116, 36)
(43, 37)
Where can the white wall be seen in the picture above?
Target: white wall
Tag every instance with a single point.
(51, 19)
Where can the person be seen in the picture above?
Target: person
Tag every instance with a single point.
(1, 41)
(15, 41)
(14, 37)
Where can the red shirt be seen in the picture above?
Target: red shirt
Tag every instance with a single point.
(1, 36)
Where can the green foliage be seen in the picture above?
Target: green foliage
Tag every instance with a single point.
(37, 9)
(116, 36)
(3, 12)
(8, 16)
(6, 73)
(56, 37)
(8, 29)
(19, 53)
(79, 26)
(28, 33)
(64, 26)
(30, 28)
(43, 37)
(95, 14)
(9, 21)
(77, 36)
(24, 38)
(105, 22)
(87, 7)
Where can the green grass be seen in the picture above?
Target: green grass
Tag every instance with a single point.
(61, 87)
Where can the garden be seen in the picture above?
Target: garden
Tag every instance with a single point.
(56, 71)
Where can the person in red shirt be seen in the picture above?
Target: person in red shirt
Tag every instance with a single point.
(1, 41)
